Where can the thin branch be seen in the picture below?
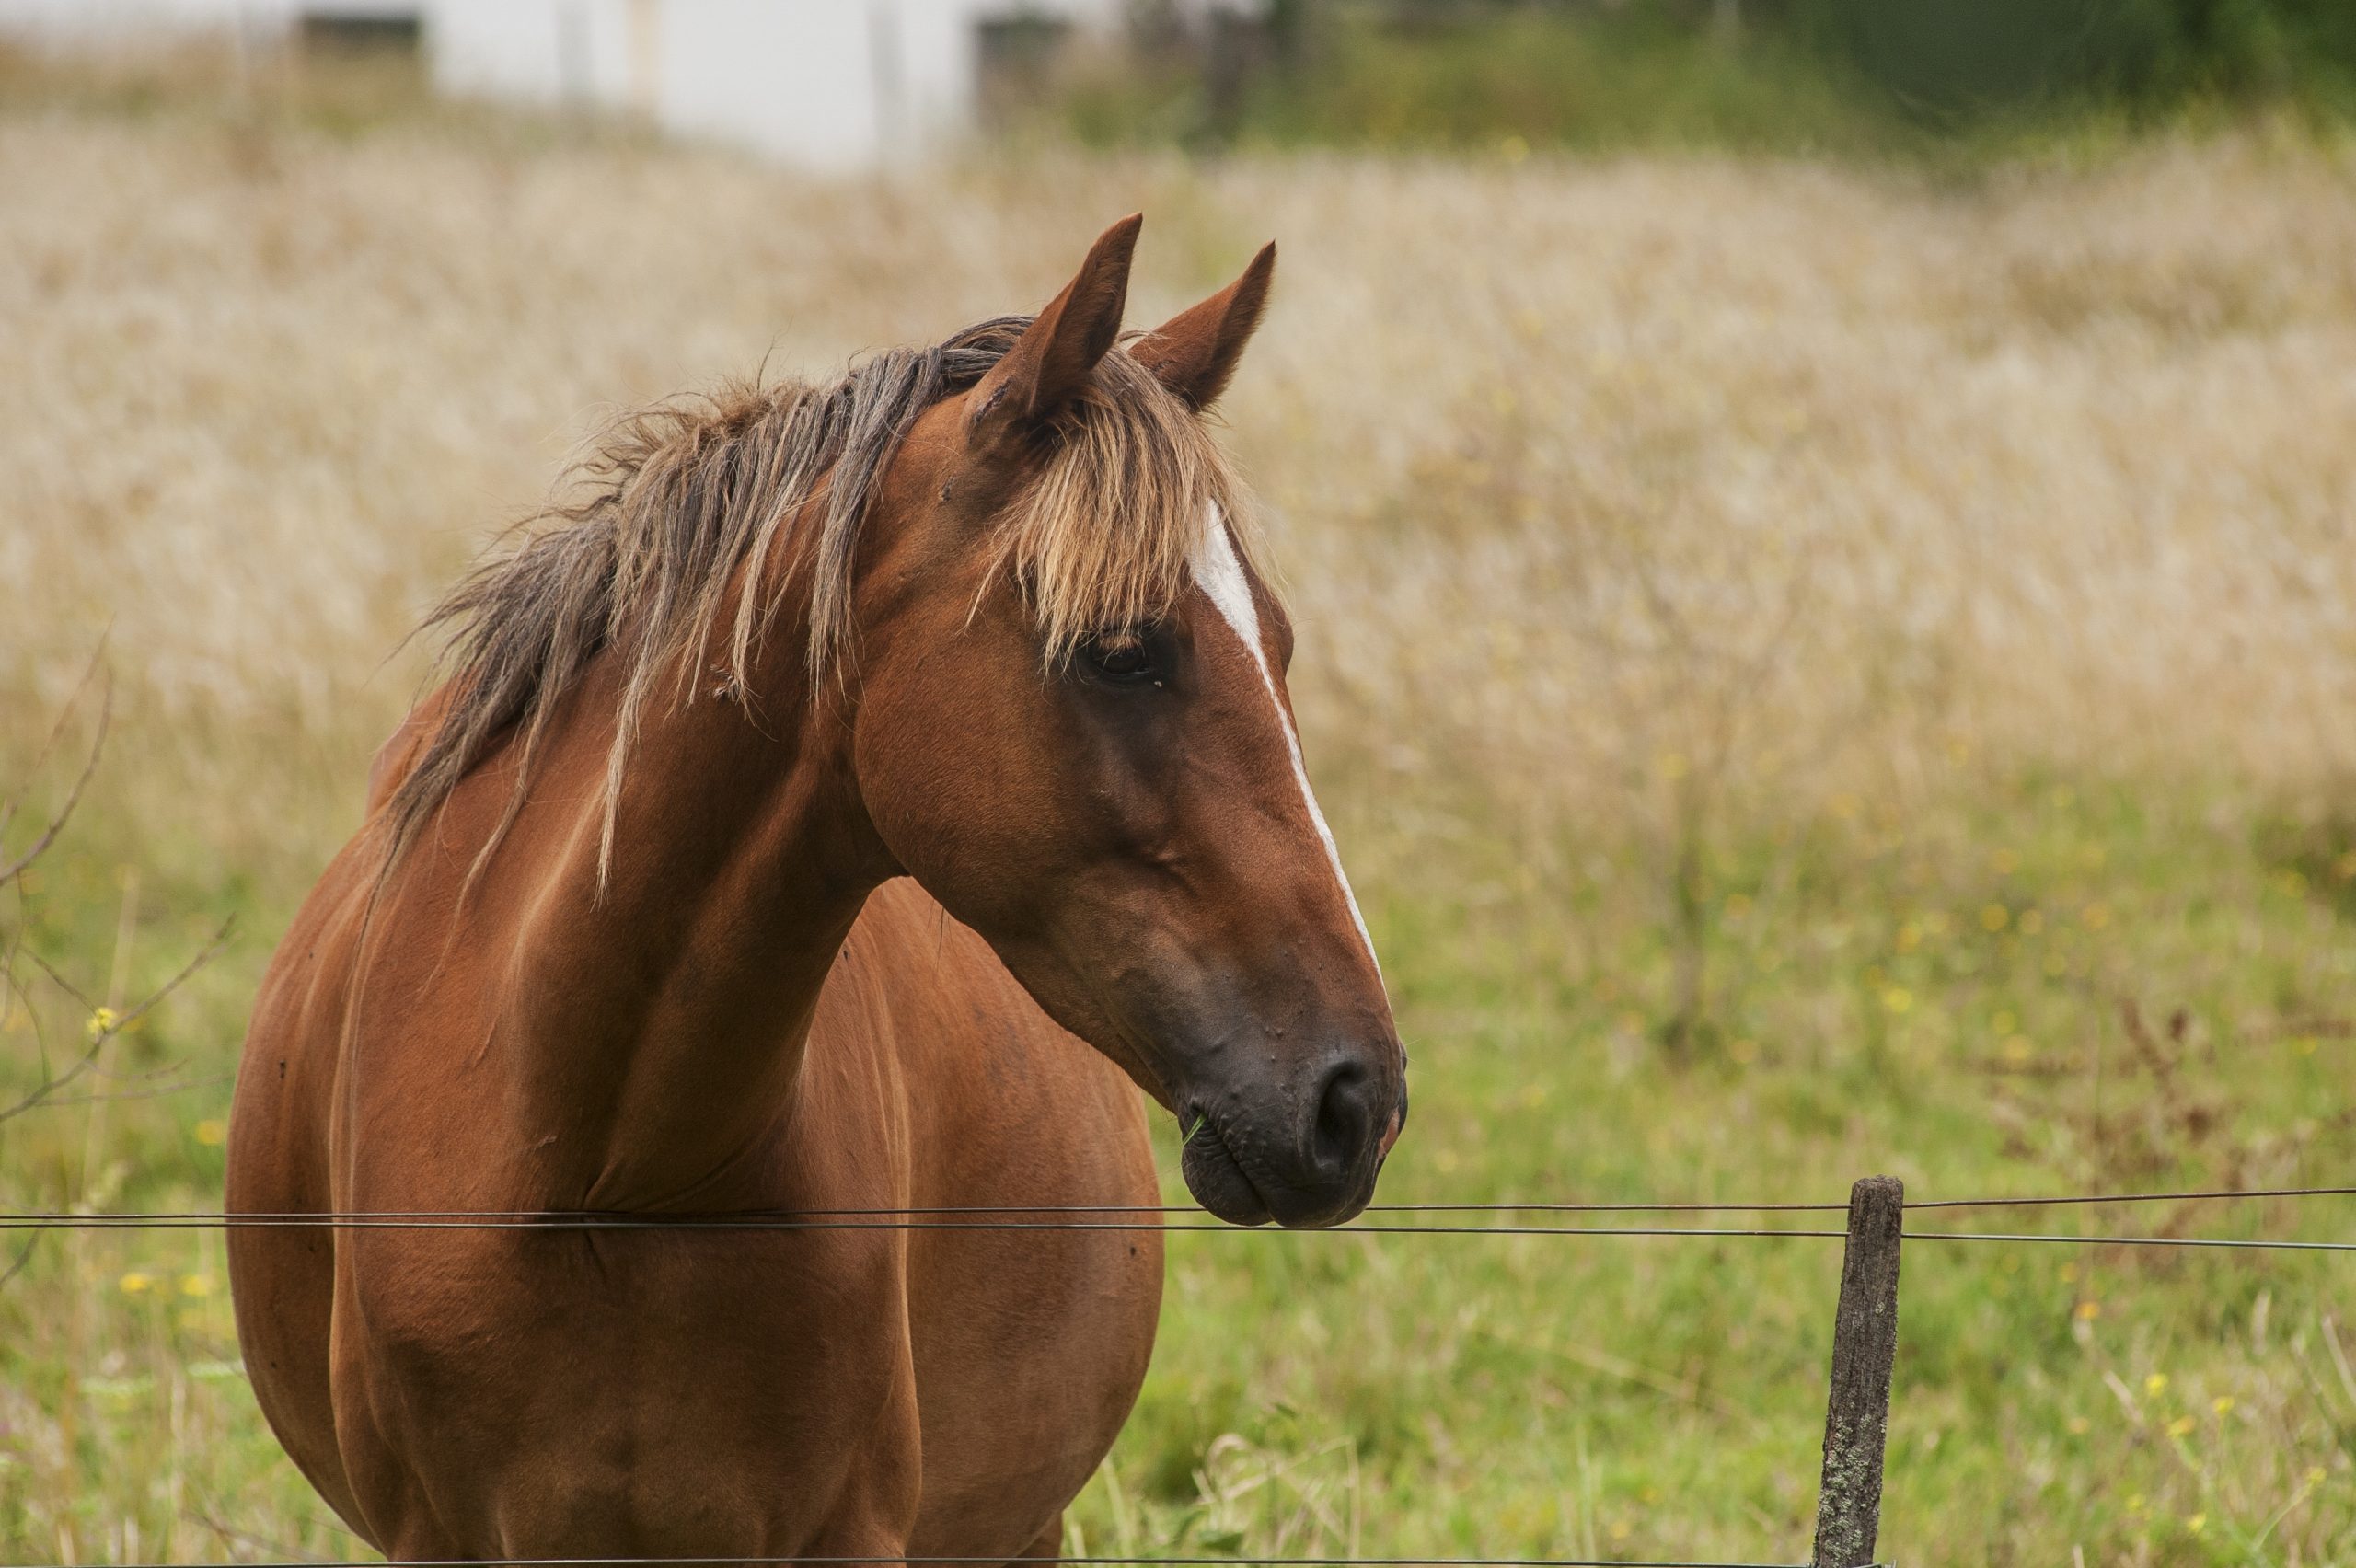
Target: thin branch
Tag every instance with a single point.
(8, 809)
(43, 1092)
(17, 1265)
(155, 1092)
(236, 1539)
(17, 867)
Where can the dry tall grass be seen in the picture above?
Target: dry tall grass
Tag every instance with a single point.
(1582, 475)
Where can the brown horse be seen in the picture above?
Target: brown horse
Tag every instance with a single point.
(823, 814)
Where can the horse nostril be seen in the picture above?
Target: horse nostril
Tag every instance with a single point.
(1344, 1120)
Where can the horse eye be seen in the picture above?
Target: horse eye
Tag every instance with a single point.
(1121, 658)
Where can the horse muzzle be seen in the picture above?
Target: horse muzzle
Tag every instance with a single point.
(1305, 1159)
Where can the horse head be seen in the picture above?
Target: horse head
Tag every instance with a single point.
(1071, 727)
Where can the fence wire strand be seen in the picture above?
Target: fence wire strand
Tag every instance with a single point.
(2187, 1197)
(990, 1220)
(455, 1219)
(1245, 1562)
(2258, 1244)
(1119, 1217)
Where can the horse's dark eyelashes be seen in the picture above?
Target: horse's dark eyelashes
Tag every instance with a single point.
(1124, 657)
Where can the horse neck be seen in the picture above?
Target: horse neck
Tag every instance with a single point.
(660, 1012)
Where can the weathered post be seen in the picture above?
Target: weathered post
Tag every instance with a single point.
(1865, 1345)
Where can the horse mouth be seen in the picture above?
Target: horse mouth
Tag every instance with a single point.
(1229, 1188)
(1217, 1178)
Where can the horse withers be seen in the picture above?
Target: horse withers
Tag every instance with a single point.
(829, 811)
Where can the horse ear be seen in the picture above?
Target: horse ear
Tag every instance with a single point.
(1193, 352)
(1053, 358)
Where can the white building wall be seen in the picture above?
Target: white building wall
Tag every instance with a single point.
(540, 51)
(827, 84)
(798, 79)
(80, 23)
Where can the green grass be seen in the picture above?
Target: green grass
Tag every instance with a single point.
(1516, 79)
(1958, 85)
(2057, 988)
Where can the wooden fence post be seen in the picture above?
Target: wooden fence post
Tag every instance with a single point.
(1865, 1345)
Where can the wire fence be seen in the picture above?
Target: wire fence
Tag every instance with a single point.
(1191, 1218)
(1865, 1336)
(1002, 1562)
(1495, 1207)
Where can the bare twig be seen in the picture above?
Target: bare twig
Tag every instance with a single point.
(154, 1091)
(45, 1092)
(12, 869)
(24, 1255)
(235, 1539)
(8, 809)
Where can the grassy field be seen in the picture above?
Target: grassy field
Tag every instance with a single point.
(1815, 673)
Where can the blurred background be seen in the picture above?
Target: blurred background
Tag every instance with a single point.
(1821, 539)
(866, 83)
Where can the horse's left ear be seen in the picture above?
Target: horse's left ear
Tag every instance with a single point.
(1053, 359)
(1193, 352)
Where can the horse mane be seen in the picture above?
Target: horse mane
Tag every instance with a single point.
(652, 525)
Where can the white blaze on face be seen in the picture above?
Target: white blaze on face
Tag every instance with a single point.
(1220, 576)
